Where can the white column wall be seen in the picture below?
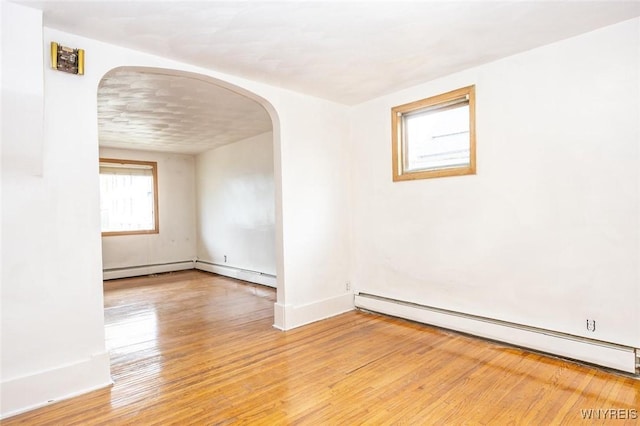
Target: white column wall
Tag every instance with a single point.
(53, 342)
(316, 174)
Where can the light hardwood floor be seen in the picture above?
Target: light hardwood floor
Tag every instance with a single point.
(196, 348)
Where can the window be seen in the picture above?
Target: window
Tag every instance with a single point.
(435, 137)
(128, 197)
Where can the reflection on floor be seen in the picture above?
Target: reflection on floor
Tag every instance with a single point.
(196, 348)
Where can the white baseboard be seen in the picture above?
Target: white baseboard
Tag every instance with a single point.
(279, 315)
(135, 271)
(241, 274)
(287, 316)
(610, 355)
(37, 390)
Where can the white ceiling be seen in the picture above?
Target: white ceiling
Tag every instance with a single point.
(344, 51)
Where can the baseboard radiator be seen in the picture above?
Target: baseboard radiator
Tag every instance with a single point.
(159, 268)
(238, 273)
(138, 270)
(618, 357)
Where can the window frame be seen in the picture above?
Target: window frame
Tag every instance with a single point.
(156, 216)
(398, 146)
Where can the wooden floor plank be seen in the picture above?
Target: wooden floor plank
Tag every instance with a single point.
(196, 348)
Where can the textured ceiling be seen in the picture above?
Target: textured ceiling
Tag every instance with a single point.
(147, 110)
(345, 51)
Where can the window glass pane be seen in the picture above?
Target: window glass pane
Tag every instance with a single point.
(127, 199)
(434, 137)
(437, 139)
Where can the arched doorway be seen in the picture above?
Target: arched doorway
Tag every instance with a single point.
(176, 114)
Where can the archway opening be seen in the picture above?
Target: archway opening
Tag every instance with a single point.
(216, 149)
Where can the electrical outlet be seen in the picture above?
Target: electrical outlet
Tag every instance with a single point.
(591, 325)
(225, 258)
(347, 286)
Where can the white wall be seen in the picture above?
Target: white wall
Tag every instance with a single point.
(236, 205)
(316, 202)
(52, 307)
(176, 241)
(547, 234)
